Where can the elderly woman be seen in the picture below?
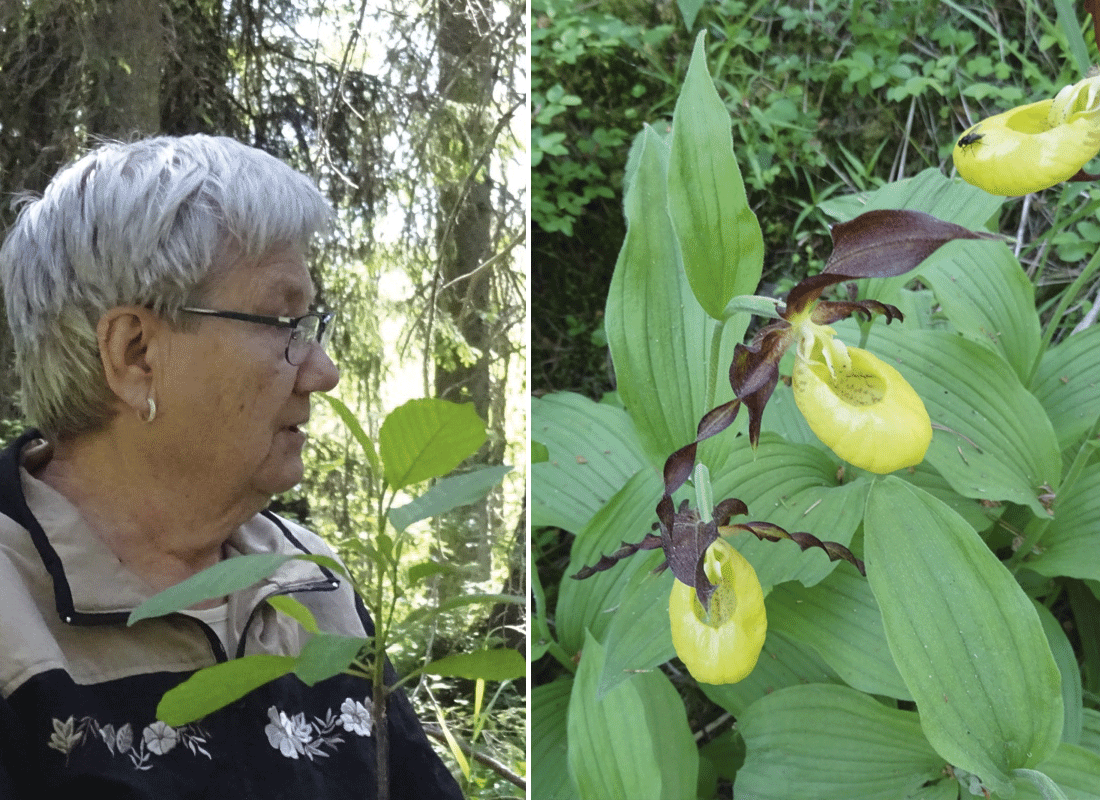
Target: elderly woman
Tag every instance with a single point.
(161, 308)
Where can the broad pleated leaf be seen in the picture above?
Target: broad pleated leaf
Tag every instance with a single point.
(988, 298)
(840, 619)
(639, 636)
(635, 742)
(585, 604)
(793, 486)
(660, 337)
(965, 637)
(427, 438)
(1070, 670)
(824, 742)
(549, 778)
(783, 662)
(1075, 770)
(1067, 383)
(999, 444)
(720, 240)
(1069, 546)
(593, 449)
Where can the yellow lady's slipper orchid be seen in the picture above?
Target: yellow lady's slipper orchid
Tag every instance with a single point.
(857, 404)
(720, 644)
(1034, 146)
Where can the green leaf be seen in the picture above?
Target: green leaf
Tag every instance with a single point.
(1068, 547)
(459, 602)
(549, 779)
(216, 687)
(720, 240)
(644, 607)
(1066, 384)
(223, 578)
(427, 438)
(583, 604)
(426, 569)
(594, 449)
(635, 742)
(790, 485)
(998, 443)
(325, 655)
(965, 637)
(840, 619)
(821, 742)
(661, 340)
(1075, 770)
(783, 662)
(448, 493)
(688, 10)
(500, 664)
(988, 298)
(1070, 670)
(294, 608)
(356, 429)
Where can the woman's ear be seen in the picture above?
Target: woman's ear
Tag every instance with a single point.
(127, 349)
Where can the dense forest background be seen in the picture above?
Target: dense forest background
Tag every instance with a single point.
(411, 117)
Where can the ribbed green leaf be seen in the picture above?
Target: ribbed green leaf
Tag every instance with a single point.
(549, 778)
(965, 637)
(782, 662)
(1070, 670)
(840, 619)
(1069, 546)
(660, 337)
(593, 448)
(1075, 770)
(790, 485)
(426, 438)
(1067, 383)
(988, 298)
(640, 634)
(998, 443)
(824, 742)
(720, 240)
(635, 743)
(585, 604)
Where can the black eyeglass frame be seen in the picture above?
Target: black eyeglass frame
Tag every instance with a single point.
(324, 318)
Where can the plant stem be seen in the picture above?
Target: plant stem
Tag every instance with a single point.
(715, 354)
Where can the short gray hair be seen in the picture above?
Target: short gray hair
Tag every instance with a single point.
(146, 223)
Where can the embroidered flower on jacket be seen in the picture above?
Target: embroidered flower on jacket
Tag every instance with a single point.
(288, 735)
(159, 738)
(356, 717)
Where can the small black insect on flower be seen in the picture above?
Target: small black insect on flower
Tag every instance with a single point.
(970, 138)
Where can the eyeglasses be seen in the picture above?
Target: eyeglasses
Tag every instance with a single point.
(305, 330)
